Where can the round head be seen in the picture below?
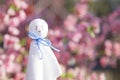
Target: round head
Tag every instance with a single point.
(39, 27)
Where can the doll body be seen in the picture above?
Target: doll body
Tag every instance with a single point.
(42, 63)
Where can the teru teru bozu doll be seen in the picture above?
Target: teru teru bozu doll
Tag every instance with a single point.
(42, 63)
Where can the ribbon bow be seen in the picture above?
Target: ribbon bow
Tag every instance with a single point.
(42, 41)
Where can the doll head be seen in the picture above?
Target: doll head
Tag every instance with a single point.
(39, 27)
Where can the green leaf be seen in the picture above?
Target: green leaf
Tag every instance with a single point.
(14, 7)
(23, 42)
(67, 75)
(90, 31)
(1, 38)
(92, 34)
(63, 75)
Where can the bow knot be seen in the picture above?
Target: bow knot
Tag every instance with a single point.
(42, 41)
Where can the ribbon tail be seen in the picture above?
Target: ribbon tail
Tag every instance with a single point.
(49, 44)
(55, 48)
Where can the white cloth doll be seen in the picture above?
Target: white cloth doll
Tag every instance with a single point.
(42, 63)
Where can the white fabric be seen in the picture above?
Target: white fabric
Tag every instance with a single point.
(46, 68)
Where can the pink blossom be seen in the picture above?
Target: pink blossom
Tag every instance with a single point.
(70, 22)
(64, 58)
(76, 37)
(113, 63)
(104, 61)
(14, 22)
(17, 3)
(24, 5)
(25, 60)
(19, 76)
(17, 46)
(108, 52)
(3, 56)
(11, 57)
(73, 46)
(81, 58)
(82, 26)
(94, 76)
(88, 78)
(82, 74)
(115, 26)
(17, 68)
(11, 42)
(116, 49)
(14, 30)
(1, 15)
(96, 25)
(102, 76)
(6, 40)
(20, 4)
(2, 72)
(10, 67)
(22, 15)
(82, 10)
(82, 48)
(89, 17)
(108, 48)
(57, 32)
(6, 19)
(1, 62)
(91, 54)
(11, 12)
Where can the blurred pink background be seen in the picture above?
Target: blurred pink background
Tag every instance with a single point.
(86, 31)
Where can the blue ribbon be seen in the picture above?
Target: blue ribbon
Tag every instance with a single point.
(42, 41)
